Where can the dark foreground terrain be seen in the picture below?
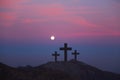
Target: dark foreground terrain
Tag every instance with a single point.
(72, 70)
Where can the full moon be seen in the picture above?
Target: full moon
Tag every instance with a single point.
(52, 37)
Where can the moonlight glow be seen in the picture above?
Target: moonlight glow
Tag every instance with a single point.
(52, 37)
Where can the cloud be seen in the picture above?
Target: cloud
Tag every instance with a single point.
(57, 12)
(30, 21)
(117, 0)
(81, 21)
(51, 12)
(11, 3)
(7, 19)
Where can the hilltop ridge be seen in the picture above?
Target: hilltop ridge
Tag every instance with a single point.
(71, 70)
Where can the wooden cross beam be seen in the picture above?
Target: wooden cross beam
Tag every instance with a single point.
(65, 49)
(55, 55)
(75, 53)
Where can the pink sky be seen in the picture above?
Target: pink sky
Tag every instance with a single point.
(21, 19)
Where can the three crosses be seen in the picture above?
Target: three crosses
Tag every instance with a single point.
(65, 49)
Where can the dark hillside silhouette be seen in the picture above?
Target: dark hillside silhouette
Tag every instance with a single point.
(71, 70)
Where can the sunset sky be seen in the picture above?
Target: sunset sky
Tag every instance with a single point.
(90, 26)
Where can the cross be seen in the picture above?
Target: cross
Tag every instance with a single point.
(65, 49)
(55, 54)
(75, 53)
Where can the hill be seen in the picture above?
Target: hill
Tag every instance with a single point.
(72, 70)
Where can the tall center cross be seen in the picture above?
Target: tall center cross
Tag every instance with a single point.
(55, 55)
(65, 49)
(75, 53)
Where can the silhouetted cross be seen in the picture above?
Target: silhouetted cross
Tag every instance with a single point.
(75, 53)
(55, 54)
(65, 48)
